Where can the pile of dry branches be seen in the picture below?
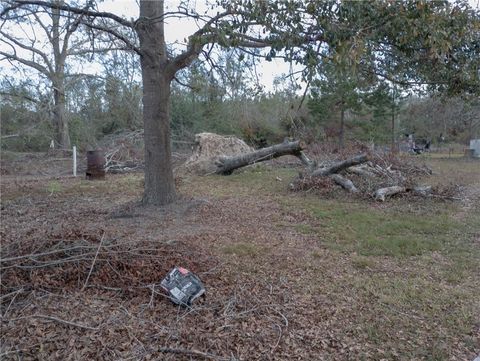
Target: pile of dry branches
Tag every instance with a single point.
(90, 261)
(124, 152)
(370, 174)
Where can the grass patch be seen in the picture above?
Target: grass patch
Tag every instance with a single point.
(361, 262)
(54, 187)
(242, 249)
(304, 229)
(369, 231)
(248, 182)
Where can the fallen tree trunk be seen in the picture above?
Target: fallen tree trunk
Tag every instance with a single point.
(226, 165)
(332, 172)
(306, 161)
(423, 191)
(339, 166)
(361, 171)
(344, 182)
(381, 193)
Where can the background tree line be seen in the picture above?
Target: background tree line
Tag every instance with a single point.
(229, 101)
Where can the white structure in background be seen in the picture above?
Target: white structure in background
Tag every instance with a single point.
(475, 146)
(74, 161)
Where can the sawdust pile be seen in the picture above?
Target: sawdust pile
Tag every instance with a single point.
(208, 148)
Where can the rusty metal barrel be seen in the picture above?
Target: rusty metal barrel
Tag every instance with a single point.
(95, 164)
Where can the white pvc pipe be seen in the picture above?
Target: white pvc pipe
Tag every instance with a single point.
(74, 161)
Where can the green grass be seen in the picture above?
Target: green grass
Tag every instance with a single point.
(250, 181)
(242, 249)
(381, 232)
(54, 187)
(362, 262)
(305, 228)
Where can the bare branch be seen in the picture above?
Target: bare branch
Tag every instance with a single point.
(26, 62)
(29, 48)
(195, 44)
(183, 84)
(129, 45)
(44, 27)
(72, 9)
(70, 30)
(17, 95)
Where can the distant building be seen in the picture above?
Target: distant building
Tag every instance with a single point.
(475, 146)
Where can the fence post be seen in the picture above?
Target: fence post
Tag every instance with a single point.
(74, 161)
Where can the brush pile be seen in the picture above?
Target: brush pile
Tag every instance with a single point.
(124, 152)
(371, 174)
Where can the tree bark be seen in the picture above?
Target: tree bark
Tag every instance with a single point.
(344, 182)
(58, 82)
(226, 165)
(394, 143)
(62, 135)
(364, 172)
(341, 134)
(332, 172)
(159, 180)
(423, 191)
(337, 167)
(307, 162)
(382, 193)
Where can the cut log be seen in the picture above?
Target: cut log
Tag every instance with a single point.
(381, 193)
(226, 165)
(306, 161)
(362, 171)
(344, 182)
(339, 166)
(333, 169)
(423, 191)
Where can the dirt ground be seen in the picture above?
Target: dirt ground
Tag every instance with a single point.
(289, 276)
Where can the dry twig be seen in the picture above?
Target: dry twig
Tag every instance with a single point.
(192, 352)
(51, 318)
(93, 263)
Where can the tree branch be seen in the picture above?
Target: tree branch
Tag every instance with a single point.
(128, 43)
(44, 27)
(72, 9)
(29, 48)
(26, 62)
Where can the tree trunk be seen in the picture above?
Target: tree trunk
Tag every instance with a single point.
(332, 172)
(58, 82)
(159, 180)
(226, 165)
(341, 134)
(344, 182)
(60, 122)
(381, 193)
(394, 143)
(337, 167)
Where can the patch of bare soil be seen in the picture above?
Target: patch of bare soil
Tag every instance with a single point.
(49, 164)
